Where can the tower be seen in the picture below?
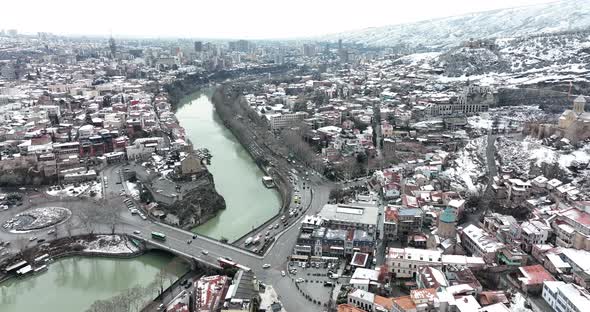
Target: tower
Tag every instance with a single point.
(113, 47)
(579, 104)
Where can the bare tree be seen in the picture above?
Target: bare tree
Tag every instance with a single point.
(21, 244)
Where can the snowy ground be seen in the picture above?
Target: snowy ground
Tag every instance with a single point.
(113, 244)
(69, 190)
(469, 166)
(507, 117)
(521, 155)
(133, 190)
(35, 219)
(95, 188)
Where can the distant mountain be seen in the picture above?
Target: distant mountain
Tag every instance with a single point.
(451, 31)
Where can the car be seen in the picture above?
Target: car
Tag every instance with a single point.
(267, 233)
(283, 273)
(161, 307)
(40, 240)
(32, 238)
(293, 271)
(194, 236)
(328, 284)
(137, 232)
(266, 266)
(189, 241)
(299, 280)
(51, 231)
(143, 217)
(276, 226)
(228, 258)
(205, 252)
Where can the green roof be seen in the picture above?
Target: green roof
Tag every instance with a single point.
(448, 216)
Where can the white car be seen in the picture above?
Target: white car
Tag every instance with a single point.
(299, 280)
(266, 266)
(283, 273)
(205, 252)
(32, 238)
(136, 232)
(51, 231)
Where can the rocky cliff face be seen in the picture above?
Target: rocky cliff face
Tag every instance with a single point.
(199, 204)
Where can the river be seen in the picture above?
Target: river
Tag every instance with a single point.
(237, 177)
(73, 284)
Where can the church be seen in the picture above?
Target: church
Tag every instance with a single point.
(574, 124)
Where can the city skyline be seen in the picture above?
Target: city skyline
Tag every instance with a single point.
(257, 20)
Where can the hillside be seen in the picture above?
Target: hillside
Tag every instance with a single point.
(452, 31)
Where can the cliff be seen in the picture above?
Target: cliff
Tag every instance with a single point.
(199, 204)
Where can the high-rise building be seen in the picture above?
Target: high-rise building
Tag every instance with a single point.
(198, 46)
(309, 50)
(113, 47)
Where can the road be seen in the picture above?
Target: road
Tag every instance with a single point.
(474, 217)
(277, 254)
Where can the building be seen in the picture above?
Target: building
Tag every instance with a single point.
(479, 243)
(447, 223)
(565, 297)
(473, 100)
(572, 228)
(531, 278)
(280, 121)
(405, 262)
(389, 223)
(144, 147)
(532, 233)
(364, 279)
(574, 124)
(334, 242)
(360, 215)
(369, 302)
(210, 293)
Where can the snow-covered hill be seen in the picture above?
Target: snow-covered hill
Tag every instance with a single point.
(452, 31)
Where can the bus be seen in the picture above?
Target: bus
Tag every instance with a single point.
(158, 236)
(224, 263)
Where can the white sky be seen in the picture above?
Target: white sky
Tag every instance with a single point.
(250, 19)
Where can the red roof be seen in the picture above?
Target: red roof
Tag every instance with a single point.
(391, 214)
(577, 215)
(359, 259)
(535, 274)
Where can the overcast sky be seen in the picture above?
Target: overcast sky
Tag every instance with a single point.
(251, 19)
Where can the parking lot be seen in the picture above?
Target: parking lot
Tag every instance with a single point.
(315, 282)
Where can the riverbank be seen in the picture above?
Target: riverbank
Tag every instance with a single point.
(91, 245)
(237, 178)
(257, 150)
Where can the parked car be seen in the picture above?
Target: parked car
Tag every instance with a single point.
(32, 238)
(136, 232)
(266, 266)
(283, 273)
(205, 252)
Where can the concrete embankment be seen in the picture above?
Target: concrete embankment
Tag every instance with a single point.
(70, 247)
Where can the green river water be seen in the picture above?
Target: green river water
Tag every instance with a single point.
(73, 284)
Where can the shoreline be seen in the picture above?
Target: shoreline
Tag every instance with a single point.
(68, 252)
(283, 187)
